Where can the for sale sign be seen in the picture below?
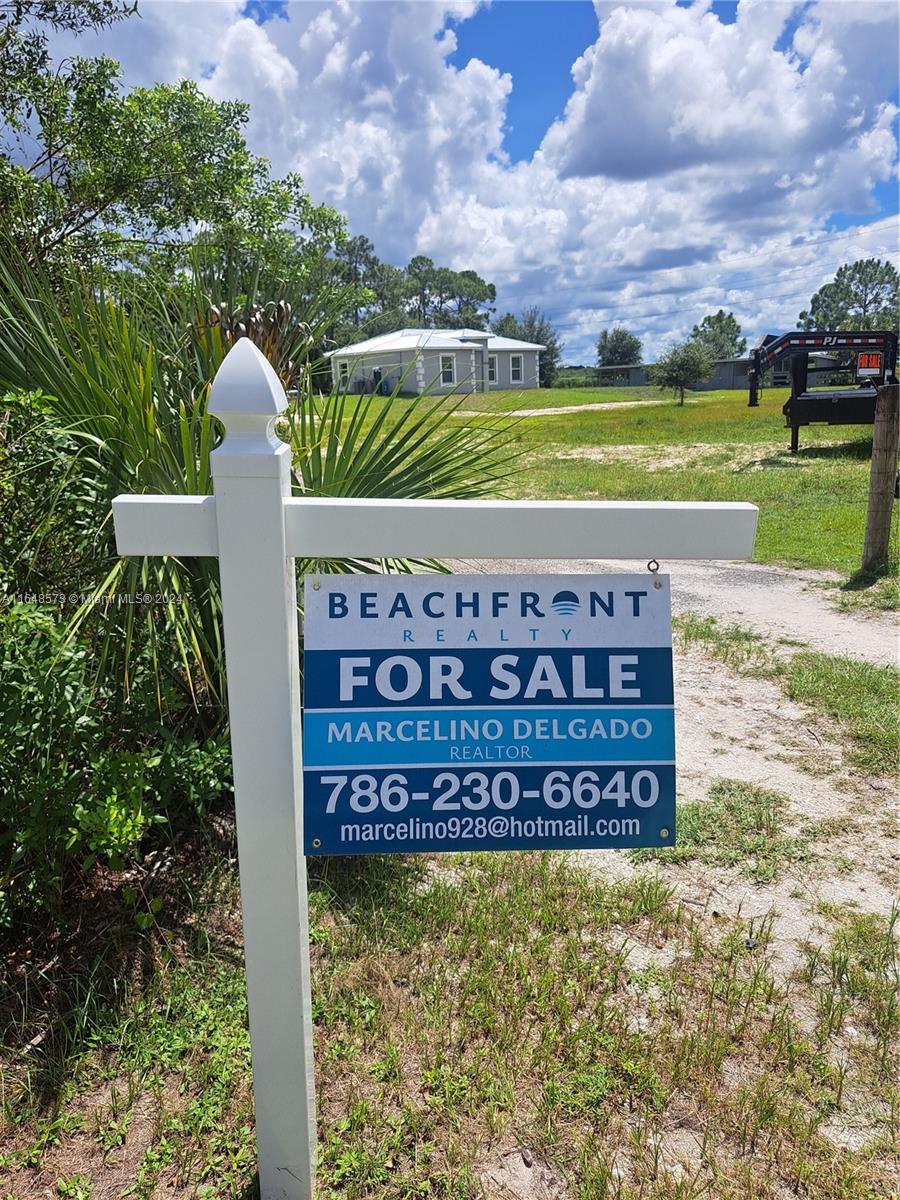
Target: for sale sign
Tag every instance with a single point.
(487, 713)
(869, 364)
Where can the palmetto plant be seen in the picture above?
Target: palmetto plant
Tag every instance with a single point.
(128, 379)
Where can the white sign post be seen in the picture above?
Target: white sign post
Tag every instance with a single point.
(256, 529)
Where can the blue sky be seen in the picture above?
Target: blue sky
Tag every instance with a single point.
(636, 162)
(536, 44)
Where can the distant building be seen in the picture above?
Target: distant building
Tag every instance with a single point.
(728, 373)
(436, 360)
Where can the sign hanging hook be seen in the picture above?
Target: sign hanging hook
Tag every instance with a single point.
(653, 568)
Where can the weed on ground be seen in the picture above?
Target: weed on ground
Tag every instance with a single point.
(738, 825)
(479, 1020)
(862, 697)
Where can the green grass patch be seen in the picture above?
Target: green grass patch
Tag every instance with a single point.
(739, 825)
(855, 977)
(812, 504)
(878, 593)
(465, 1008)
(741, 649)
(865, 698)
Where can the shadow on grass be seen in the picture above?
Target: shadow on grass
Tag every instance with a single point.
(768, 462)
(372, 891)
(66, 982)
(67, 977)
(862, 581)
(860, 449)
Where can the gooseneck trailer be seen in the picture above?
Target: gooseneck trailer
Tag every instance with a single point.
(872, 356)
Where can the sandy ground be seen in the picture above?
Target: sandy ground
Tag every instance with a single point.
(772, 601)
(573, 408)
(731, 726)
(735, 727)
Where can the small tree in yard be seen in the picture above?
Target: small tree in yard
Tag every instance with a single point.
(681, 366)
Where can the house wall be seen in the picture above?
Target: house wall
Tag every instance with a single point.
(424, 373)
(469, 374)
(504, 371)
(392, 366)
(726, 375)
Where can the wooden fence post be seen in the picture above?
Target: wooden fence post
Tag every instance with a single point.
(882, 479)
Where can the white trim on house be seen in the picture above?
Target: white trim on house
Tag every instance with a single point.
(492, 368)
(513, 368)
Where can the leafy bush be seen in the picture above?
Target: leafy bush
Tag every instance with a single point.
(127, 383)
(80, 780)
(46, 544)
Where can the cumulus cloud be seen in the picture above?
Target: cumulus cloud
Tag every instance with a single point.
(690, 154)
(667, 88)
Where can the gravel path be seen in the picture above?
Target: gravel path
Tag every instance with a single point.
(772, 601)
(571, 408)
(574, 408)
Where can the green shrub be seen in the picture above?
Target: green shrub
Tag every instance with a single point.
(125, 376)
(48, 530)
(80, 780)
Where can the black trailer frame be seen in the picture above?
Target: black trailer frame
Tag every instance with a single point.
(840, 406)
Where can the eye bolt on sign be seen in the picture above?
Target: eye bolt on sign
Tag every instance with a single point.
(487, 713)
(560, 690)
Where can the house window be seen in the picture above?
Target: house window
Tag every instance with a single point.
(343, 373)
(515, 368)
(492, 368)
(448, 368)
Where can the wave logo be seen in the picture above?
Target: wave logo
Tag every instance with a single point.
(565, 604)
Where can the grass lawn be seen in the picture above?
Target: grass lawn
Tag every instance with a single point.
(812, 505)
(474, 1016)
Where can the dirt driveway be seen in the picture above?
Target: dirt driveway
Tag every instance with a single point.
(772, 601)
(732, 726)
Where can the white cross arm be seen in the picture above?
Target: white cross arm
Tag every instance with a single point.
(180, 526)
(326, 527)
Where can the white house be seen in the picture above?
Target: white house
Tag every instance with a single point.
(436, 360)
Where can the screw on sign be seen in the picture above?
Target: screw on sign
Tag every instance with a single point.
(256, 528)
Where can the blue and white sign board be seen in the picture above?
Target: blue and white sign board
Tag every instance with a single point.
(448, 712)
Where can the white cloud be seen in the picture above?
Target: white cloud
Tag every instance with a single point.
(690, 154)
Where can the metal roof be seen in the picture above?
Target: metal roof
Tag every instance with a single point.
(432, 339)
